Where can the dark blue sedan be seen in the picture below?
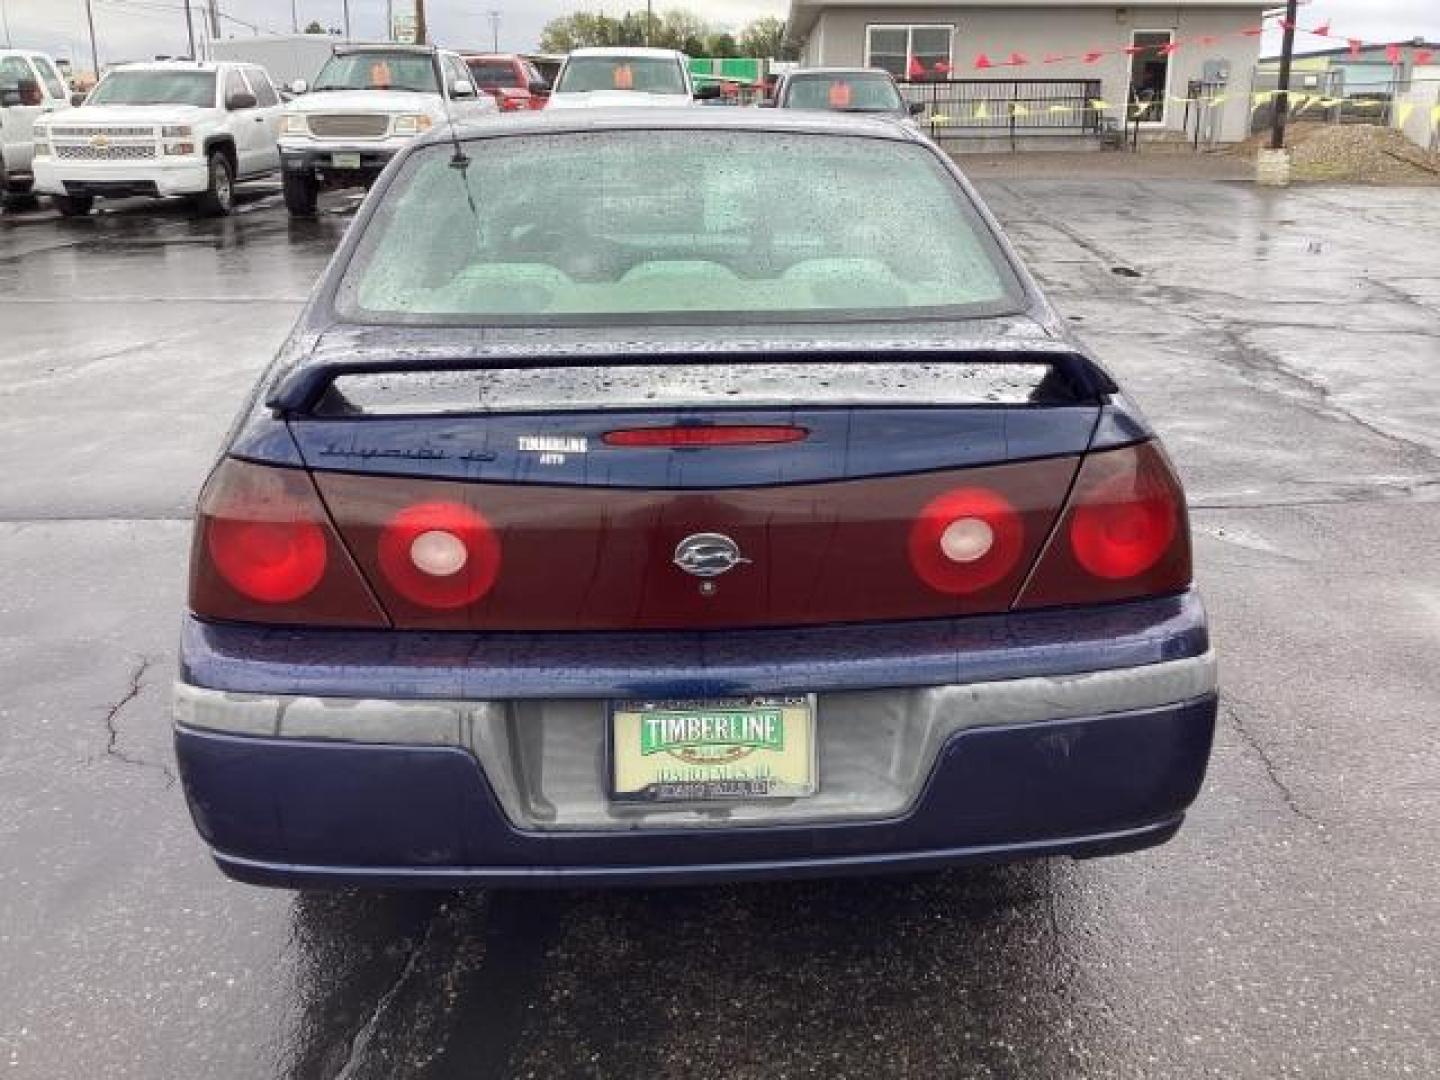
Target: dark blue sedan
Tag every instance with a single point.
(654, 497)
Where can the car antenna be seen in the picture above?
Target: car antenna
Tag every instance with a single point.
(459, 161)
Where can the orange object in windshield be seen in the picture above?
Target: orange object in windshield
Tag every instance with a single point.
(624, 77)
(840, 95)
(380, 75)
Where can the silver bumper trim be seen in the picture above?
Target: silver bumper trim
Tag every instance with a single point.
(545, 759)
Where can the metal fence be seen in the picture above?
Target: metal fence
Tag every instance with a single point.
(1325, 97)
(960, 109)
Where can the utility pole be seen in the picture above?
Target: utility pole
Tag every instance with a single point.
(1282, 95)
(190, 30)
(214, 20)
(294, 16)
(347, 20)
(94, 51)
(389, 20)
(649, 21)
(494, 30)
(5, 18)
(422, 31)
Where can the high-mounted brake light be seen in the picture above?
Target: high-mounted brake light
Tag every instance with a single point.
(720, 435)
(966, 540)
(439, 555)
(1124, 534)
(265, 551)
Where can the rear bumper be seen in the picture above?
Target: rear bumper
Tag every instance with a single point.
(304, 813)
(1075, 733)
(183, 176)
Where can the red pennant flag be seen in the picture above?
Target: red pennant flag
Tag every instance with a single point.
(1018, 59)
(1209, 39)
(1093, 57)
(1322, 31)
(1286, 24)
(1355, 46)
(1055, 58)
(982, 61)
(943, 67)
(1392, 54)
(1254, 31)
(1134, 50)
(1423, 57)
(1170, 48)
(917, 69)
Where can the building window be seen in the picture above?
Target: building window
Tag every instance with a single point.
(1150, 74)
(917, 53)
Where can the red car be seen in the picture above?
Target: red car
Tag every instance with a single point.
(514, 82)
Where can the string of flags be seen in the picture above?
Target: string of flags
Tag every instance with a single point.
(1299, 103)
(1394, 54)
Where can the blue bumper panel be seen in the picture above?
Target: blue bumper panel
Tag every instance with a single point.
(291, 813)
(465, 666)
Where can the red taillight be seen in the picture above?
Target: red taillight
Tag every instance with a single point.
(1124, 534)
(439, 555)
(271, 561)
(966, 540)
(265, 551)
(718, 435)
(511, 104)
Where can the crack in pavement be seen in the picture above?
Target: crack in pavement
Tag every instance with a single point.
(365, 1032)
(112, 726)
(1268, 763)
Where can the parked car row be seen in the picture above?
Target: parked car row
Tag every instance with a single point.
(187, 128)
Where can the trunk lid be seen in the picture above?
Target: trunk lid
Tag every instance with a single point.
(570, 531)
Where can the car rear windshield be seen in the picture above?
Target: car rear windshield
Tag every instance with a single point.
(650, 74)
(494, 73)
(156, 88)
(844, 93)
(378, 71)
(675, 226)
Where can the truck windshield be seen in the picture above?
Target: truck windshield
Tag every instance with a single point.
(843, 93)
(646, 226)
(378, 71)
(648, 74)
(156, 88)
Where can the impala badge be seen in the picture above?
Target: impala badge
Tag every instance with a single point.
(708, 555)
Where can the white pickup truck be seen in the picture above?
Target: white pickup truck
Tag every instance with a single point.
(30, 87)
(171, 128)
(367, 102)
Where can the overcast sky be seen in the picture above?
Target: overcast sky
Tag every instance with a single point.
(135, 29)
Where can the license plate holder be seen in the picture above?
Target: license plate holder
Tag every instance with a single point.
(721, 750)
(345, 161)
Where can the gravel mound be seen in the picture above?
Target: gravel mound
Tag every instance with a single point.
(1355, 154)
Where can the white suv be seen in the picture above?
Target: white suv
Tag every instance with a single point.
(173, 128)
(30, 87)
(367, 102)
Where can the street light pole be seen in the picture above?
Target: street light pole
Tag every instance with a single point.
(494, 30)
(5, 19)
(1282, 95)
(295, 16)
(190, 30)
(94, 51)
(347, 19)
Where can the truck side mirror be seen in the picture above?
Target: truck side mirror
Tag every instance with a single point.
(77, 99)
(236, 102)
(707, 92)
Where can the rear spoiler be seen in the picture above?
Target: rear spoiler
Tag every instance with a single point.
(298, 392)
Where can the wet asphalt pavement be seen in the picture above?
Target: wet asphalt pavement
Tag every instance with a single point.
(1287, 346)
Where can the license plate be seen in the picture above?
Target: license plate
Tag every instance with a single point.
(701, 751)
(345, 161)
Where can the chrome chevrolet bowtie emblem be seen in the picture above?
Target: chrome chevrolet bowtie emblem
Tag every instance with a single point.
(708, 555)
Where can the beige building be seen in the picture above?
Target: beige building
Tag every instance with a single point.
(1173, 44)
